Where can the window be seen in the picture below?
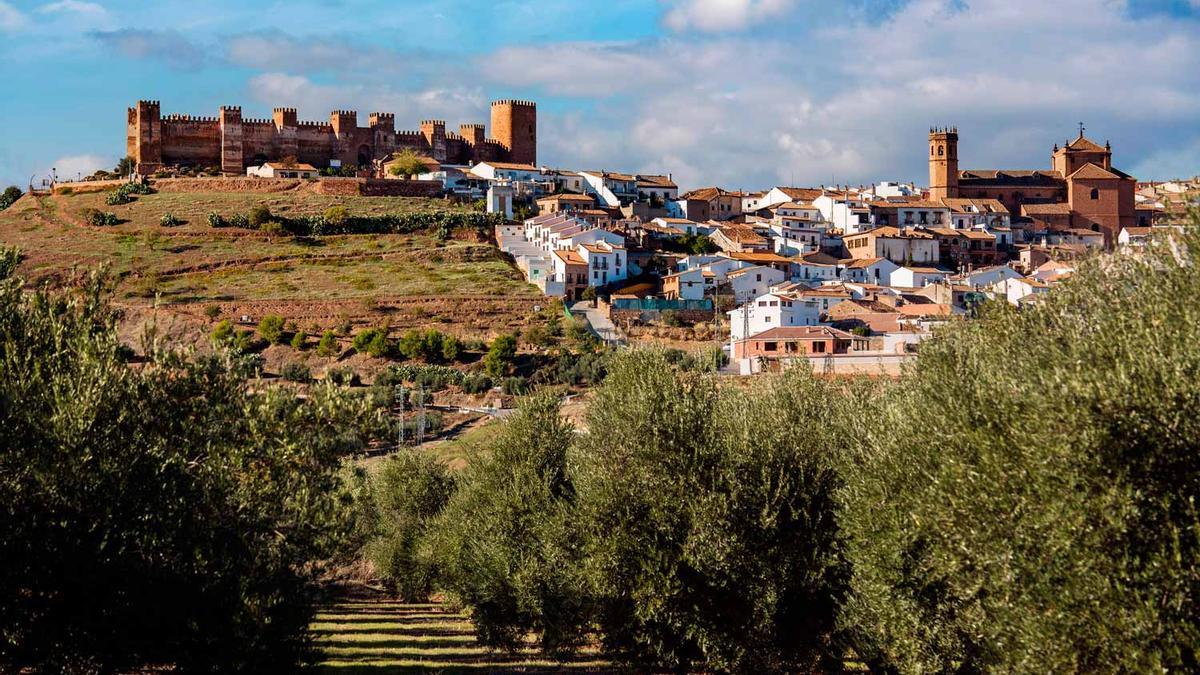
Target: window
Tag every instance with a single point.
(941, 150)
(1095, 193)
(818, 347)
(769, 346)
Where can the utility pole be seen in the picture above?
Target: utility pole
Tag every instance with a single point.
(420, 414)
(400, 438)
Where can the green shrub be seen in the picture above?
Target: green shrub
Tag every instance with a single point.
(507, 544)
(10, 195)
(117, 198)
(299, 340)
(270, 328)
(343, 377)
(476, 383)
(372, 341)
(336, 216)
(451, 349)
(216, 220)
(500, 356)
(295, 372)
(239, 220)
(168, 220)
(98, 218)
(151, 511)
(273, 228)
(259, 215)
(212, 311)
(514, 386)
(407, 493)
(327, 345)
(1043, 511)
(222, 332)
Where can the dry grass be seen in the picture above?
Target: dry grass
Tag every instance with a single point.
(380, 636)
(466, 287)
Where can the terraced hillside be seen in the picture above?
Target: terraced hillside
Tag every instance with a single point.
(464, 284)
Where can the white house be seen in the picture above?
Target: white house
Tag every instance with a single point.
(689, 284)
(751, 282)
(917, 277)
(799, 211)
(683, 225)
(869, 270)
(277, 170)
(772, 310)
(610, 188)
(889, 188)
(508, 171)
(500, 198)
(1019, 290)
(1134, 236)
(607, 262)
(987, 276)
(813, 268)
(849, 214)
(790, 238)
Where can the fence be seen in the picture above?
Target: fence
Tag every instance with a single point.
(660, 304)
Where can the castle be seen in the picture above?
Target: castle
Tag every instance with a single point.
(1081, 189)
(232, 143)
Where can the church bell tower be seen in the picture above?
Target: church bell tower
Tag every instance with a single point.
(943, 163)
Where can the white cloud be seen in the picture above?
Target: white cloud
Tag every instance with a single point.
(90, 9)
(276, 51)
(73, 166)
(11, 18)
(313, 101)
(168, 46)
(723, 15)
(850, 102)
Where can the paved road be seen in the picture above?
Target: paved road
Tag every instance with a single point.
(600, 325)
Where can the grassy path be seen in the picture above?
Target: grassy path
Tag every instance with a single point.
(380, 636)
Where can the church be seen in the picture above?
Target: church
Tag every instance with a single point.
(1080, 190)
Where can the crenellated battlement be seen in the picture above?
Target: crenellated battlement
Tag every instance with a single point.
(283, 110)
(316, 125)
(433, 123)
(179, 118)
(346, 113)
(514, 102)
(257, 120)
(943, 130)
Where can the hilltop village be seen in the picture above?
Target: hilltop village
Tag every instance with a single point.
(851, 278)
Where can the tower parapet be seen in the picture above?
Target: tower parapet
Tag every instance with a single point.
(344, 122)
(284, 117)
(434, 132)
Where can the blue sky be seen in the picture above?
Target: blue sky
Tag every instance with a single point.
(741, 93)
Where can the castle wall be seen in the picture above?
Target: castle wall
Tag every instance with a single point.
(194, 141)
(232, 143)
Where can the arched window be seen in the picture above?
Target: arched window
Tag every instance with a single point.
(1095, 193)
(941, 150)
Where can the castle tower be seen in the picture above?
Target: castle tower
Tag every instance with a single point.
(514, 125)
(471, 133)
(383, 132)
(943, 163)
(230, 120)
(286, 144)
(434, 132)
(143, 136)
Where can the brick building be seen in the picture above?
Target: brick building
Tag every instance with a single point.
(1087, 191)
(232, 143)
